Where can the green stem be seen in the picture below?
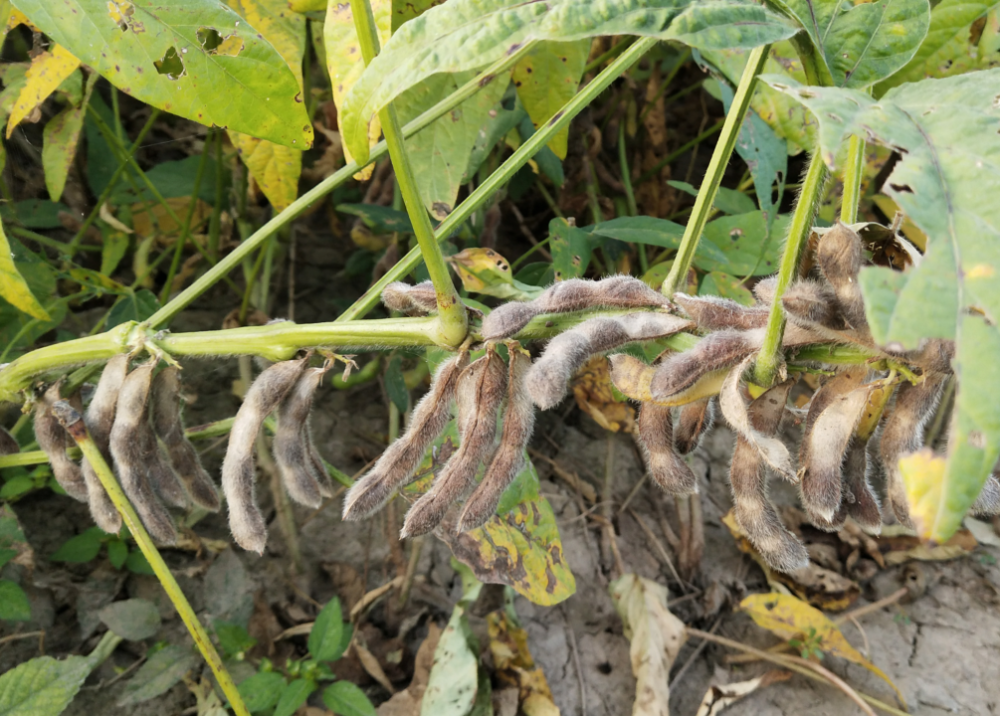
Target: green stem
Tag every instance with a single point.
(769, 359)
(454, 324)
(853, 169)
(716, 168)
(304, 202)
(507, 170)
(618, 48)
(74, 424)
(179, 249)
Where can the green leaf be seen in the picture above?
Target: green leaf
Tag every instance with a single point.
(380, 219)
(82, 548)
(34, 213)
(137, 563)
(499, 124)
(570, 249)
(262, 690)
(183, 57)
(294, 695)
(13, 288)
(233, 638)
(117, 553)
(59, 140)
(14, 604)
(395, 385)
(405, 10)
(159, 674)
(16, 486)
(464, 35)
(547, 78)
(950, 47)
(42, 686)
(346, 699)
(744, 240)
(728, 201)
(440, 152)
(325, 638)
(135, 306)
(174, 180)
(718, 283)
(453, 681)
(651, 231)
(132, 619)
(113, 250)
(946, 133)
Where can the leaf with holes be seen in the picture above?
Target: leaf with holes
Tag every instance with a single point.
(464, 35)
(183, 57)
(47, 71)
(945, 182)
(570, 248)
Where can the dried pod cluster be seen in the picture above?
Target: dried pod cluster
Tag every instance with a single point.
(134, 420)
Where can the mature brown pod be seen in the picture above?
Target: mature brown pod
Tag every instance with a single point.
(904, 433)
(987, 503)
(137, 456)
(481, 390)
(8, 445)
(399, 296)
(572, 295)
(549, 377)
(99, 418)
(694, 420)
(507, 464)
(839, 255)
(753, 510)
(396, 466)
(292, 442)
(656, 439)
(183, 457)
(263, 397)
(712, 313)
(54, 440)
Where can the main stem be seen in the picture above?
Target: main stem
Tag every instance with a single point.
(769, 360)
(853, 168)
(716, 168)
(74, 424)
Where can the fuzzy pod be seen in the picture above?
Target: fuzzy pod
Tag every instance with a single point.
(834, 412)
(933, 355)
(860, 501)
(634, 378)
(656, 439)
(99, 419)
(987, 503)
(263, 397)
(183, 457)
(509, 461)
(736, 411)
(480, 393)
(8, 445)
(54, 440)
(813, 304)
(694, 420)
(753, 510)
(396, 466)
(903, 434)
(292, 445)
(399, 296)
(133, 448)
(549, 377)
(573, 295)
(840, 255)
(713, 313)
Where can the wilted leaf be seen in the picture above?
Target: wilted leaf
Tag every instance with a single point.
(487, 272)
(594, 395)
(159, 674)
(274, 167)
(451, 689)
(132, 619)
(899, 545)
(718, 698)
(515, 666)
(789, 618)
(150, 218)
(655, 638)
(13, 287)
(47, 71)
(183, 62)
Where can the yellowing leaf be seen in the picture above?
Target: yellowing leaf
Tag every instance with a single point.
(344, 62)
(789, 618)
(718, 698)
(909, 229)
(515, 667)
(16, 18)
(487, 272)
(59, 141)
(307, 5)
(924, 476)
(149, 218)
(594, 396)
(547, 78)
(286, 31)
(655, 638)
(47, 71)
(274, 167)
(13, 287)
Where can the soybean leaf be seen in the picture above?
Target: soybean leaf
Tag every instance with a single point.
(453, 681)
(183, 57)
(570, 249)
(133, 306)
(950, 47)
(47, 71)
(440, 152)
(395, 385)
(719, 283)
(380, 219)
(546, 79)
(13, 288)
(346, 699)
(158, 675)
(101, 160)
(82, 548)
(325, 639)
(652, 231)
(501, 121)
(228, 590)
(59, 140)
(728, 201)
(546, 159)
(34, 213)
(117, 553)
(262, 690)
(14, 604)
(174, 179)
(294, 695)
(744, 240)
(946, 133)
(132, 619)
(464, 35)
(487, 272)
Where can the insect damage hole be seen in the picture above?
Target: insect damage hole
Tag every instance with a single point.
(170, 64)
(215, 43)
